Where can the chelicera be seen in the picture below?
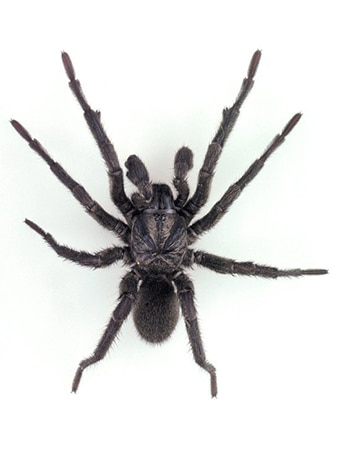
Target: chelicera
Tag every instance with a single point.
(159, 230)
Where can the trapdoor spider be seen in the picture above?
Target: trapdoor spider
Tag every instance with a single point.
(158, 231)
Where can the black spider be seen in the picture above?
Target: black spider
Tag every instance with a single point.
(158, 232)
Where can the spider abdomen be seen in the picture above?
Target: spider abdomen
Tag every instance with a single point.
(156, 311)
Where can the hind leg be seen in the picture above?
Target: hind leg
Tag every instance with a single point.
(186, 298)
(128, 290)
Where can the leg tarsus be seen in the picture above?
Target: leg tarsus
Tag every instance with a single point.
(230, 115)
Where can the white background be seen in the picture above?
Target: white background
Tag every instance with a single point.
(161, 72)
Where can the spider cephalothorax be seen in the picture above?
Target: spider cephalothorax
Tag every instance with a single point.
(158, 234)
(158, 230)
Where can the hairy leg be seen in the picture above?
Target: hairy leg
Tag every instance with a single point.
(186, 297)
(138, 175)
(221, 207)
(106, 147)
(183, 162)
(128, 291)
(229, 117)
(228, 266)
(100, 259)
(79, 192)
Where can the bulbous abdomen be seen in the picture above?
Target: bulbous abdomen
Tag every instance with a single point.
(156, 311)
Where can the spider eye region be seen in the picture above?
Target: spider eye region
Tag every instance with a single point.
(160, 217)
(159, 240)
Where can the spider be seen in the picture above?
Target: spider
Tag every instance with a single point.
(159, 230)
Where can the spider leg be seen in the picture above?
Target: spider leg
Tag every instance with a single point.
(228, 266)
(220, 208)
(229, 118)
(106, 147)
(183, 162)
(128, 291)
(186, 297)
(79, 192)
(100, 259)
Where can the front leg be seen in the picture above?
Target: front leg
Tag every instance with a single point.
(228, 266)
(229, 118)
(100, 259)
(107, 150)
